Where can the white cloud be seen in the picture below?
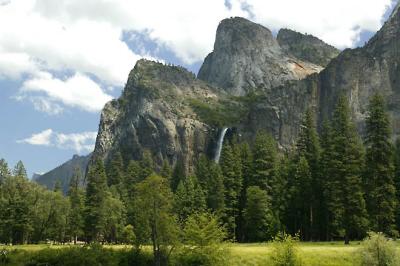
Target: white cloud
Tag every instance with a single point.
(77, 91)
(85, 37)
(79, 142)
(337, 22)
(42, 138)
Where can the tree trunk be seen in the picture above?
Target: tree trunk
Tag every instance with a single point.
(346, 239)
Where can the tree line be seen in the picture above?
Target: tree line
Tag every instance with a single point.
(332, 185)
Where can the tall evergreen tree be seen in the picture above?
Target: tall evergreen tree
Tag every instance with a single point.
(166, 170)
(4, 171)
(19, 170)
(147, 165)
(379, 174)
(215, 195)
(178, 175)
(259, 220)
(76, 214)
(397, 180)
(265, 159)
(231, 170)
(115, 170)
(345, 176)
(308, 147)
(96, 193)
(189, 198)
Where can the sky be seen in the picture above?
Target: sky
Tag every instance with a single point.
(61, 61)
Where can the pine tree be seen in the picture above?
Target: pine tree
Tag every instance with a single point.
(146, 165)
(4, 171)
(166, 170)
(76, 199)
(96, 193)
(259, 220)
(115, 170)
(379, 174)
(178, 175)
(19, 170)
(189, 198)
(265, 158)
(215, 195)
(303, 192)
(231, 170)
(397, 180)
(308, 147)
(347, 164)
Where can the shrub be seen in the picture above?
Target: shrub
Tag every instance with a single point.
(202, 238)
(285, 251)
(377, 250)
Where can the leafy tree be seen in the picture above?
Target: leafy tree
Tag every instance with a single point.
(258, 216)
(96, 193)
(379, 174)
(115, 219)
(154, 219)
(189, 198)
(397, 179)
(128, 235)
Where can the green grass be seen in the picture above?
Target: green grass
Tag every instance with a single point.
(312, 254)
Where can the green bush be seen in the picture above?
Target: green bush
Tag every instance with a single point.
(285, 251)
(377, 250)
(202, 239)
(83, 256)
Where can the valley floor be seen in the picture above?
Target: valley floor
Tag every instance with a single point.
(313, 254)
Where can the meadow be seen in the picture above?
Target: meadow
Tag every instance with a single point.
(313, 254)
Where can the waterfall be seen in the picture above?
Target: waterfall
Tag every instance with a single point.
(219, 144)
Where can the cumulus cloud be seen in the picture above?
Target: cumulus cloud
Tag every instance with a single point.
(76, 91)
(86, 38)
(43, 138)
(79, 142)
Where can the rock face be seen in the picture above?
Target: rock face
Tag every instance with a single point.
(361, 72)
(64, 172)
(154, 113)
(306, 47)
(247, 57)
(156, 110)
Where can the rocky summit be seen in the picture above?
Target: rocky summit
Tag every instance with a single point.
(249, 82)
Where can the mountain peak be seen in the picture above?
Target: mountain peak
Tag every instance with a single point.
(306, 47)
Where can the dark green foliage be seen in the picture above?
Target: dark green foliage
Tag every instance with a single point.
(258, 217)
(155, 221)
(202, 238)
(96, 193)
(178, 175)
(345, 199)
(189, 198)
(115, 170)
(19, 170)
(231, 170)
(84, 256)
(379, 169)
(147, 166)
(76, 214)
(265, 159)
(397, 180)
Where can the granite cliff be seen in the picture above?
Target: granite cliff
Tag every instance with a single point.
(250, 82)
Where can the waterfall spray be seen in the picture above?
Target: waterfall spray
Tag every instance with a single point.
(219, 144)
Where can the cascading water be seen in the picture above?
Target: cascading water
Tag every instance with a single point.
(220, 143)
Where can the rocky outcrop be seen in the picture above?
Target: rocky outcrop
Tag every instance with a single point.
(247, 57)
(155, 113)
(64, 173)
(168, 111)
(306, 47)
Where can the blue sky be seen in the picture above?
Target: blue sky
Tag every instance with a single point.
(60, 61)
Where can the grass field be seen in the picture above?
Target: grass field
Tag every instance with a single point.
(313, 254)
